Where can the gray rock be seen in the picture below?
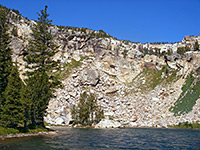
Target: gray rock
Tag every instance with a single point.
(111, 90)
(90, 77)
(108, 124)
(59, 121)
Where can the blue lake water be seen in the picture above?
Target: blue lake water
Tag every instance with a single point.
(91, 139)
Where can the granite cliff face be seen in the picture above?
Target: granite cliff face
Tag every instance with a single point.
(143, 85)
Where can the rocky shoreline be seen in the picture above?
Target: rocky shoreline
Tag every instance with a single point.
(57, 128)
(27, 135)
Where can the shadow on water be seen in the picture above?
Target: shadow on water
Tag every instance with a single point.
(128, 138)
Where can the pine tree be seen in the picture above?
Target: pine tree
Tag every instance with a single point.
(5, 54)
(12, 111)
(42, 47)
(83, 109)
(196, 46)
(87, 111)
(39, 61)
(40, 95)
(26, 99)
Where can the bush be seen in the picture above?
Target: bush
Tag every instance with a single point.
(182, 50)
(194, 125)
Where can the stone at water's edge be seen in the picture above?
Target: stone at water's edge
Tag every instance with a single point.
(105, 123)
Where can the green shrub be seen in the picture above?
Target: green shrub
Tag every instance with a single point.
(186, 125)
(182, 50)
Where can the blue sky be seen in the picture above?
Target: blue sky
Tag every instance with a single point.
(134, 20)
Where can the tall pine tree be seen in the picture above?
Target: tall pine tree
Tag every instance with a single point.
(42, 48)
(39, 61)
(5, 54)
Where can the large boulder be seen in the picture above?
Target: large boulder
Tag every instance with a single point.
(90, 77)
(105, 123)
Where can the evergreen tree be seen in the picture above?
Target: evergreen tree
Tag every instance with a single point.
(26, 99)
(40, 95)
(196, 46)
(39, 61)
(87, 110)
(5, 54)
(12, 111)
(42, 48)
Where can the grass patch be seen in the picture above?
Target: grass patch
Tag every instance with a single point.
(153, 78)
(68, 68)
(188, 97)
(186, 125)
(6, 131)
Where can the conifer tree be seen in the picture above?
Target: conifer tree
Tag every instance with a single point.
(40, 95)
(87, 111)
(26, 100)
(42, 48)
(39, 60)
(196, 46)
(12, 111)
(5, 54)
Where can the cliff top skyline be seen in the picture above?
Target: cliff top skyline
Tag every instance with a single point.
(137, 21)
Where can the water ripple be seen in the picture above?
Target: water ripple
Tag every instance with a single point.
(102, 139)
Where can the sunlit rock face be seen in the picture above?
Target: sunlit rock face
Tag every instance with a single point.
(134, 87)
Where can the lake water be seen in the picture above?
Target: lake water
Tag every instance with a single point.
(91, 139)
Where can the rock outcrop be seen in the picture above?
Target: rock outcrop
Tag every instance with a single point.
(132, 87)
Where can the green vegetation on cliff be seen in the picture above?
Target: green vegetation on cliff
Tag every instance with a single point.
(92, 33)
(151, 77)
(187, 99)
(68, 68)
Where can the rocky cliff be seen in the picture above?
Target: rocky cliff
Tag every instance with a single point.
(143, 85)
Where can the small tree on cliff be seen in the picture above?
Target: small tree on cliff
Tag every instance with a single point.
(196, 46)
(87, 111)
